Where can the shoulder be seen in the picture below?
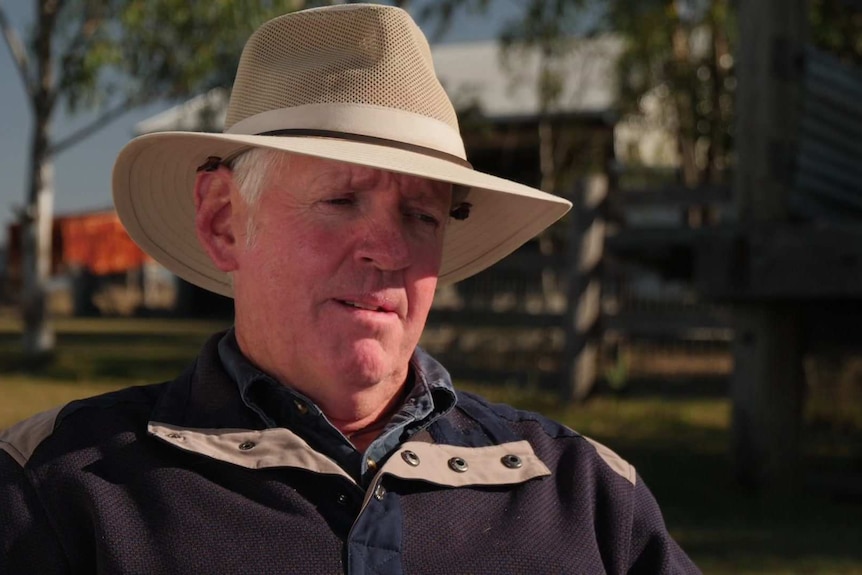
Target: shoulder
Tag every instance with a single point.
(553, 442)
(20, 440)
(79, 421)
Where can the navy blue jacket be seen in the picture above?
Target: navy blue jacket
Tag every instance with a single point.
(186, 477)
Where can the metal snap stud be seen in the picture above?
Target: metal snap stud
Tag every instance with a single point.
(512, 461)
(458, 464)
(379, 492)
(300, 407)
(410, 458)
(246, 445)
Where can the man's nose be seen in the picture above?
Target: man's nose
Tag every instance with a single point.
(385, 242)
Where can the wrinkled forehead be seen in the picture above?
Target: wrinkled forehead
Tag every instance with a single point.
(365, 176)
(358, 177)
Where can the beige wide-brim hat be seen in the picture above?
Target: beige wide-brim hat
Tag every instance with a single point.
(353, 83)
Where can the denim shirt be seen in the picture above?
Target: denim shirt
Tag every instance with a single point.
(430, 397)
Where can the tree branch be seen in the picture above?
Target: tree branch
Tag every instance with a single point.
(19, 53)
(100, 122)
(88, 27)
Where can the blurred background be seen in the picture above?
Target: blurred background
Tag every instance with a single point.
(698, 311)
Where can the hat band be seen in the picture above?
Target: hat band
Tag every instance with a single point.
(365, 120)
(372, 140)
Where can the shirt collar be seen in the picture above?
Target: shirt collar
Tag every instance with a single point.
(431, 396)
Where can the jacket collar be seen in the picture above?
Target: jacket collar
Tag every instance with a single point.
(204, 396)
(202, 412)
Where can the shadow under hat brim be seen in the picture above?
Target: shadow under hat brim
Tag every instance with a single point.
(153, 187)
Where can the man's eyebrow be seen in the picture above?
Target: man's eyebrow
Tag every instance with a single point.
(364, 178)
(429, 187)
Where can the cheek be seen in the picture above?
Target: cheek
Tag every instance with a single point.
(293, 252)
(423, 280)
(421, 298)
(427, 253)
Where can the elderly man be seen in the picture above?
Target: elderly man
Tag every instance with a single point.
(315, 436)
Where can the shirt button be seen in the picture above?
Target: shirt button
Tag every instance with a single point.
(343, 500)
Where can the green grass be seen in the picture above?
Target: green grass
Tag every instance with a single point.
(678, 444)
(94, 356)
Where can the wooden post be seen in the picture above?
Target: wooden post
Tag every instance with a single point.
(587, 234)
(767, 384)
(767, 390)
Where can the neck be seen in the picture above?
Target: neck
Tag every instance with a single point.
(360, 411)
(362, 431)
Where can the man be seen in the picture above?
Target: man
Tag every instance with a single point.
(315, 437)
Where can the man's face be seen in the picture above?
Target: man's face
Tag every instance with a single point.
(334, 287)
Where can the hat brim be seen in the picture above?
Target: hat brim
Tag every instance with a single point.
(153, 183)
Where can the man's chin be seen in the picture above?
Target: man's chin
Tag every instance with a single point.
(368, 363)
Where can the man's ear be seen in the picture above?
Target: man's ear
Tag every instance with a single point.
(214, 217)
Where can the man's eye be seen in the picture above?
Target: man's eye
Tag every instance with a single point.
(340, 201)
(426, 218)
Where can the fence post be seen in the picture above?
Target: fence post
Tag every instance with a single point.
(767, 386)
(586, 248)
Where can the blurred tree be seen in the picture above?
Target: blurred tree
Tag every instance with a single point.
(545, 30)
(683, 52)
(107, 57)
(679, 54)
(836, 27)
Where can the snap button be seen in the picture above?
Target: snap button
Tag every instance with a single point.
(246, 445)
(410, 458)
(512, 461)
(372, 465)
(379, 492)
(300, 407)
(458, 464)
(342, 499)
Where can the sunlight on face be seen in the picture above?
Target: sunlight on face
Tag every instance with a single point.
(334, 292)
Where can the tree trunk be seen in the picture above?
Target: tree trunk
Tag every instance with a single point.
(36, 248)
(38, 216)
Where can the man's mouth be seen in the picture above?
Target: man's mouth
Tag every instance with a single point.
(359, 305)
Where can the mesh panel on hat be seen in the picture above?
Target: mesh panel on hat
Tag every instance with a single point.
(372, 55)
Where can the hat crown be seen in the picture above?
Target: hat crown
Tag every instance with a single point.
(359, 54)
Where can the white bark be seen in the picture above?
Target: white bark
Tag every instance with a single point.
(36, 263)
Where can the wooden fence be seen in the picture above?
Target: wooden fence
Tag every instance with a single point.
(545, 319)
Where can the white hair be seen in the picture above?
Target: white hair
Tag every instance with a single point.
(252, 169)
(251, 172)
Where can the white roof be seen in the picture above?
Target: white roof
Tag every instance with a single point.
(473, 73)
(476, 73)
(203, 113)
